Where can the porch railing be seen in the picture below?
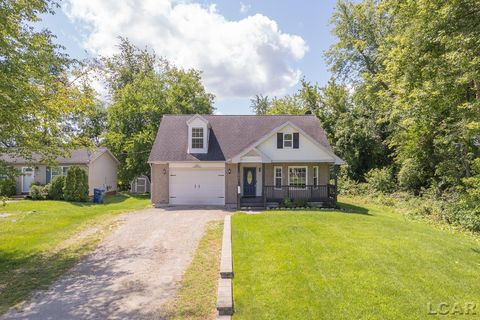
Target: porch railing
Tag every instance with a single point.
(326, 193)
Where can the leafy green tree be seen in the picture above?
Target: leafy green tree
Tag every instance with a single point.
(414, 68)
(143, 89)
(39, 94)
(260, 104)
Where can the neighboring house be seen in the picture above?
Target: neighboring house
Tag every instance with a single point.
(141, 184)
(241, 160)
(101, 166)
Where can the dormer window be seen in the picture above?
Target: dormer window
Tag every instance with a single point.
(287, 140)
(198, 133)
(197, 138)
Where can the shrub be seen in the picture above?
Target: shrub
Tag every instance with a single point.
(76, 185)
(37, 192)
(302, 203)
(36, 183)
(347, 186)
(56, 188)
(8, 187)
(411, 175)
(380, 180)
(287, 203)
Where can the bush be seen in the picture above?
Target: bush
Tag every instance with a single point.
(76, 185)
(286, 203)
(37, 192)
(8, 187)
(380, 180)
(56, 188)
(411, 176)
(300, 203)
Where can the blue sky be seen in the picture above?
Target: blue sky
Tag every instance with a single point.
(243, 47)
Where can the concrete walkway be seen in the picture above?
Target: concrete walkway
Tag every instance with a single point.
(131, 274)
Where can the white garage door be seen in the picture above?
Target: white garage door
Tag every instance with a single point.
(197, 186)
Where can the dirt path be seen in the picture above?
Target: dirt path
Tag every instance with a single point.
(131, 274)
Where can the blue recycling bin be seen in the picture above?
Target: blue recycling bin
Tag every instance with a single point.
(98, 195)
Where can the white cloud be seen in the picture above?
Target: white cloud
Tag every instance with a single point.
(238, 58)
(244, 8)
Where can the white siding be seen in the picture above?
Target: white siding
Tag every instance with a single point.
(307, 151)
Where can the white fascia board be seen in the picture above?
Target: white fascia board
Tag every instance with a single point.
(277, 129)
(197, 116)
(263, 157)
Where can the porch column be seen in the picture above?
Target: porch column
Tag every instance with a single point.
(238, 186)
(263, 185)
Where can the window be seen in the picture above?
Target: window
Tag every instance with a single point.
(297, 176)
(58, 171)
(287, 140)
(277, 177)
(197, 138)
(315, 177)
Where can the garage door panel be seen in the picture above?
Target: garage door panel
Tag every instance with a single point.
(197, 186)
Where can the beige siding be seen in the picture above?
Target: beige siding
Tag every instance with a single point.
(102, 173)
(39, 175)
(323, 173)
(231, 184)
(159, 188)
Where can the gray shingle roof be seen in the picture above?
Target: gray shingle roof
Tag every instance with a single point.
(229, 135)
(79, 156)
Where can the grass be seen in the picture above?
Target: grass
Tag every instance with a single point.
(40, 240)
(370, 264)
(196, 299)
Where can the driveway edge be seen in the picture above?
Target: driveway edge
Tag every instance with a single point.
(225, 286)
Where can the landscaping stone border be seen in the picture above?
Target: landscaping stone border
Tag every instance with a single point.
(225, 286)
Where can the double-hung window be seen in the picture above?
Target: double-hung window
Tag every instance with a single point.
(297, 177)
(58, 171)
(278, 177)
(197, 138)
(315, 177)
(287, 140)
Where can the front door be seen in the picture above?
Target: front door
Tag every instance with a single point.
(27, 178)
(249, 182)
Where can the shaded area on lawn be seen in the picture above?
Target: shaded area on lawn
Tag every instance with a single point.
(34, 246)
(333, 265)
(351, 208)
(29, 272)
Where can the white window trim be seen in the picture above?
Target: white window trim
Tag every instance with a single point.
(61, 167)
(291, 140)
(275, 177)
(315, 175)
(202, 137)
(306, 175)
(33, 172)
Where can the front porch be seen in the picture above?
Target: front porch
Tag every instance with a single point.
(263, 182)
(321, 195)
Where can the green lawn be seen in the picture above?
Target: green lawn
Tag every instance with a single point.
(372, 264)
(34, 240)
(197, 297)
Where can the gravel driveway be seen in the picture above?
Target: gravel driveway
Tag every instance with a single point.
(131, 274)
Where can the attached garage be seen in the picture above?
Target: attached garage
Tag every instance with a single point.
(197, 186)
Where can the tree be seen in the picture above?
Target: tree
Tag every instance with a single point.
(143, 89)
(92, 124)
(40, 93)
(260, 104)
